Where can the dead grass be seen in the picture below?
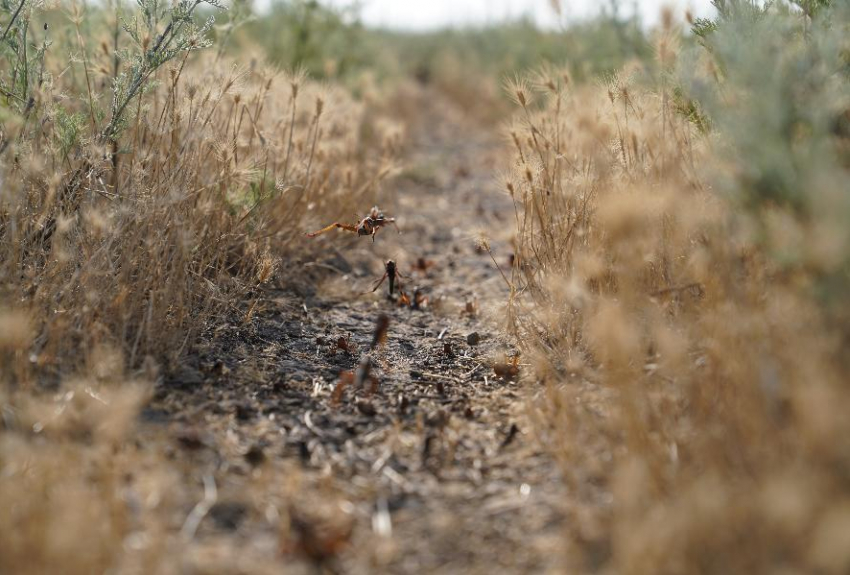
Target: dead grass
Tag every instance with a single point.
(686, 329)
(116, 253)
(225, 165)
(695, 384)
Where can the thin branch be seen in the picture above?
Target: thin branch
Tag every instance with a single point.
(12, 21)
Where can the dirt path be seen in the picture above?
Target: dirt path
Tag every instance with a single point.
(438, 470)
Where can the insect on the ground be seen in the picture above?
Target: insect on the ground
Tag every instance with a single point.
(368, 226)
(392, 274)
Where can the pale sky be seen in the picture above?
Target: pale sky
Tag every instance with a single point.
(429, 14)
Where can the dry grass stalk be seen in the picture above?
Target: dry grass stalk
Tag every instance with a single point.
(695, 389)
(119, 243)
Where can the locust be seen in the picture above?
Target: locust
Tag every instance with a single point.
(368, 226)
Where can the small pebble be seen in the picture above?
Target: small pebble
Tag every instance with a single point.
(473, 338)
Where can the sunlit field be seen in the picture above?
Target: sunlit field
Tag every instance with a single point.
(281, 292)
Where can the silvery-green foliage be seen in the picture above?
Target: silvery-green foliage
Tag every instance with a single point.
(778, 100)
(160, 32)
(782, 85)
(23, 71)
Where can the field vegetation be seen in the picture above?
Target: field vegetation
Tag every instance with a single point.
(150, 185)
(676, 263)
(681, 278)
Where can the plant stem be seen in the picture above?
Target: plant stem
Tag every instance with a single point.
(12, 21)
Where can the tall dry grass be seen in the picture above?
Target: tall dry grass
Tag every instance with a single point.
(221, 167)
(677, 262)
(146, 190)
